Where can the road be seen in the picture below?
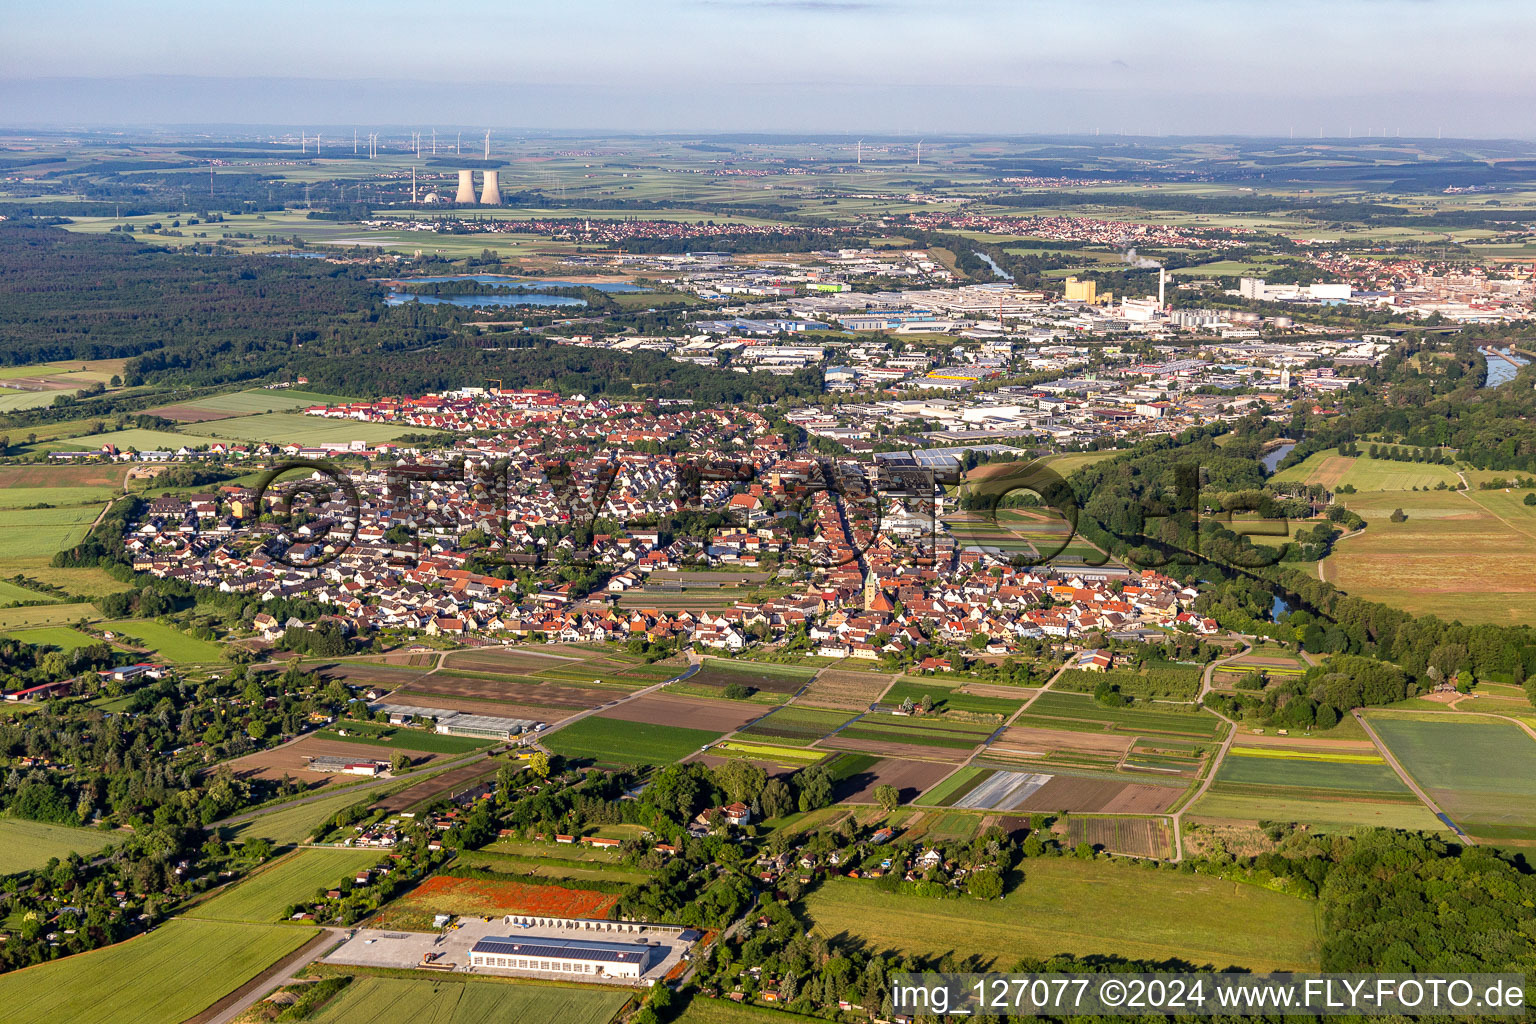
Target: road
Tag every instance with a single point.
(276, 977)
(1011, 719)
(1408, 779)
(1205, 784)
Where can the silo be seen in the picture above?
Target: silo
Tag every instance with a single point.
(490, 195)
(466, 187)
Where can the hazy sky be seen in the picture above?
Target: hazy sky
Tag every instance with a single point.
(1194, 66)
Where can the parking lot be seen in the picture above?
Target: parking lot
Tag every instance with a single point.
(374, 947)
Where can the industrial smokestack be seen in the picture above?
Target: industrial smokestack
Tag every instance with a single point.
(1162, 279)
(466, 187)
(490, 195)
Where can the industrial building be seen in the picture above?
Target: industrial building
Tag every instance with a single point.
(449, 722)
(331, 764)
(548, 954)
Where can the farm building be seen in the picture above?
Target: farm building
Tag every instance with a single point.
(548, 954)
(332, 764)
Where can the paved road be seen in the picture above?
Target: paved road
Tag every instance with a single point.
(1010, 720)
(1210, 670)
(1408, 779)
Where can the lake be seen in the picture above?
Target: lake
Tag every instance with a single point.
(477, 301)
(508, 281)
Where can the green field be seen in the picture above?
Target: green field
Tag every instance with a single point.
(1322, 793)
(263, 896)
(25, 845)
(948, 698)
(1083, 907)
(1481, 772)
(171, 644)
(53, 636)
(296, 428)
(29, 533)
(944, 791)
(33, 616)
(452, 1001)
(11, 593)
(1071, 711)
(122, 440)
(173, 973)
(292, 824)
(1330, 469)
(262, 400)
(796, 725)
(611, 741)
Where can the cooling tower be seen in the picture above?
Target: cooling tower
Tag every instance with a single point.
(490, 195)
(466, 187)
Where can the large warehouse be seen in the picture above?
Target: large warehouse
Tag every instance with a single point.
(562, 956)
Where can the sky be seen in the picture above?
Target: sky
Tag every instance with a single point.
(1142, 67)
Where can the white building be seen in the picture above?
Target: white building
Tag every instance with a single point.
(551, 955)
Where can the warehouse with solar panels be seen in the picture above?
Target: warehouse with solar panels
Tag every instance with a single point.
(591, 957)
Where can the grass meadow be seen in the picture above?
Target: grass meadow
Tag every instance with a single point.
(1083, 907)
(263, 896)
(1482, 772)
(25, 845)
(171, 644)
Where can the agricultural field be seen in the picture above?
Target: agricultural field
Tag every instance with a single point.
(25, 845)
(844, 691)
(24, 486)
(1070, 711)
(1162, 682)
(293, 428)
(795, 725)
(1136, 837)
(166, 641)
(135, 438)
(30, 533)
(262, 400)
(859, 775)
(918, 732)
(768, 753)
(442, 894)
(662, 708)
(947, 698)
(719, 673)
(1482, 773)
(611, 741)
(165, 977)
(37, 615)
(1083, 907)
(62, 637)
(295, 824)
(10, 593)
(455, 1001)
(1459, 556)
(1330, 469)
(263, 896)
(1328, 789)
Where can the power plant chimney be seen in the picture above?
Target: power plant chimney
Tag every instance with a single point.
(490, 195)
(466, 188)
(1162, 279)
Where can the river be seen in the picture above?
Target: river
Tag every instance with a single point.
(1500, 370)
(989, 261)
(1272, 459)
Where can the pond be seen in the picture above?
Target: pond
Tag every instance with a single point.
(1272, 459)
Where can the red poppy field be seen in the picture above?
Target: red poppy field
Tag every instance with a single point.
(476, 897)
